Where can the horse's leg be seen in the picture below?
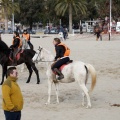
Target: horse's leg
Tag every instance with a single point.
(49, 91)
(85, 90)
(83, 99)
(4, 71)
(57, 91)
(36, 72)
(83, 94)
(30, 72)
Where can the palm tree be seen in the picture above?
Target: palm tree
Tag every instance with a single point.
(8, 8)
(63, 5)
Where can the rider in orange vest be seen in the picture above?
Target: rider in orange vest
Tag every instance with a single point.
(26, 35)
(16, 45)
(62, 57)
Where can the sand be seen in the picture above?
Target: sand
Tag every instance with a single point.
(103, 55)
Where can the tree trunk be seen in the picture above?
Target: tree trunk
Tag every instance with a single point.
(30, 23)
(70, 18)
(6, 21)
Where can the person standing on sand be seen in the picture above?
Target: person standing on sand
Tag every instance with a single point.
(0, 37)
(12, 96)
(98, 34)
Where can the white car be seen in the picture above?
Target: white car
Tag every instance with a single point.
(118, 27)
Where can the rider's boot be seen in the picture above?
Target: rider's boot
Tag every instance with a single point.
(61, 76)
(11, 55)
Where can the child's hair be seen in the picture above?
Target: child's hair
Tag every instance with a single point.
(57, 40)
(10, 70)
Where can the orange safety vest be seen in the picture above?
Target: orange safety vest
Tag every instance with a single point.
(20, 44)
(26, 36)
(67, 50)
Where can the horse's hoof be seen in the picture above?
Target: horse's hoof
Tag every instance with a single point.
(88, 106)
(27, 82)
(47, 103)
(38, 82)
(83, 104)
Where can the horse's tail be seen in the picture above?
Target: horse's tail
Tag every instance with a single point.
(92, 71)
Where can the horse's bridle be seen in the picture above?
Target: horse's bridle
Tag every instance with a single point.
(40, 49)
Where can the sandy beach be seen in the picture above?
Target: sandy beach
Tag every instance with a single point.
(103, 55)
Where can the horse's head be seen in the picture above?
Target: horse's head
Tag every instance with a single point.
(38, 55)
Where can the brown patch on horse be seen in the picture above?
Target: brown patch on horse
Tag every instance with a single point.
(115, 105)
(55, 81)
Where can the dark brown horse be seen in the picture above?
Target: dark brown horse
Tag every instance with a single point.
(25, 57)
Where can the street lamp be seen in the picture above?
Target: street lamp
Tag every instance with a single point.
(13, 18)
(110, 24)
(60, 22)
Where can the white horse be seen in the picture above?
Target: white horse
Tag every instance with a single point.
(75, 71)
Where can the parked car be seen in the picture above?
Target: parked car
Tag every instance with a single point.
(76, 30)
(31, 31)
(51, 31)
(90, 29)
(1, 31)
(118, 27)
(9, 31)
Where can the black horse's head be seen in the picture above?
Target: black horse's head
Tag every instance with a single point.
(3, 45)
(4, 49)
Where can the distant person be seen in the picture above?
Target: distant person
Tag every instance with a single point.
(26, 35)
(17, 28)
(61, 33)
(0, 37)
(12, 96)
(65, 33)
(81, 29)
(98, 34)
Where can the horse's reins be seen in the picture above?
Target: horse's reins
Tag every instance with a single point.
(39, 54)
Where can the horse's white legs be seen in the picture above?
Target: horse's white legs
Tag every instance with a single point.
(49, 91)
(83, 99)
(85, 90)
(57, 91)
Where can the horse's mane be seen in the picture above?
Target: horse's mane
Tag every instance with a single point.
(49, 53)
(3, 45)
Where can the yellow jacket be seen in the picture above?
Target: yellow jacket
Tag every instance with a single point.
(12, 96)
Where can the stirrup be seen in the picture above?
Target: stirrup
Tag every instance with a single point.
(60, 77)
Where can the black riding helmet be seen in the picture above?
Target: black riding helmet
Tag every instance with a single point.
(16, 33)
(24, 31)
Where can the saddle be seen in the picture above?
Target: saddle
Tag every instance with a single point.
(18, 54)
(15, 54)
(61, 68)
